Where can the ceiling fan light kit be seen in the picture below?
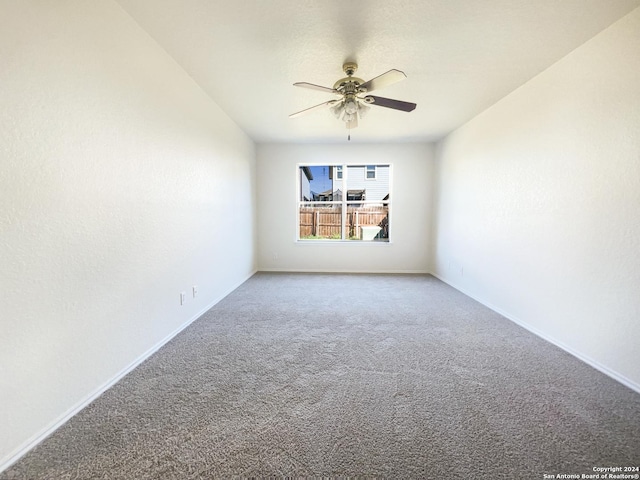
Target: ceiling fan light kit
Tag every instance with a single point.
(354, 101)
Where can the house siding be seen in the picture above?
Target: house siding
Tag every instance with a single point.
(305, 186)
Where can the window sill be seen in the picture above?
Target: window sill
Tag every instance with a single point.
(342, 242)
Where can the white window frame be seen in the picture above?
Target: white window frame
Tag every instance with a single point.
(366, 172)
(344, 203)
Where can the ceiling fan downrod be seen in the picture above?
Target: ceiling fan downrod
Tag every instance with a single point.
(350, 68)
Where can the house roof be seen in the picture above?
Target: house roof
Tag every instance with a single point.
(307, 172)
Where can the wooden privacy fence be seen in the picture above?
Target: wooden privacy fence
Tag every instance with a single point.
(326, 221)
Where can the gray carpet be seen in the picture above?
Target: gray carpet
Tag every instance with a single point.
(387, 376)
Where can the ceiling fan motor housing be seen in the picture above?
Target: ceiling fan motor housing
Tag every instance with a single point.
(348, 85)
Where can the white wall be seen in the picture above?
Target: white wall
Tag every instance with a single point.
(538, 208)
(410, 217)
(121, 184)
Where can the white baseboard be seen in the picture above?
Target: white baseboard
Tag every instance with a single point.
(579, 355)
(23, 449)
(333, 270)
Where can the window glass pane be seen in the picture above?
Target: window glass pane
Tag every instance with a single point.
(360, 187)
(368, 222)
(320, 221)
(371, 171)
(317, 183)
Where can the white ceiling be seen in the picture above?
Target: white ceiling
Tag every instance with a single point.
(460, 56)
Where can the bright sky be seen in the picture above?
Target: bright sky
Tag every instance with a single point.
(321, 181)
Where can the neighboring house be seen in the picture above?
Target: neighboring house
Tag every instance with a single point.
(305, 184)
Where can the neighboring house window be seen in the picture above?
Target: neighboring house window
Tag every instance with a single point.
(344, 202)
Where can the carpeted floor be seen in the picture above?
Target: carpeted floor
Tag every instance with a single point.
(387, 376)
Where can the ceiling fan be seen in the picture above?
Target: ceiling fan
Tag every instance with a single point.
(354, 98)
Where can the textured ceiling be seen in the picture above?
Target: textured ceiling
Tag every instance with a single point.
(460, 56)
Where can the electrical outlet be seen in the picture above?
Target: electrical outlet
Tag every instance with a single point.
(183, 297)
(194, 289)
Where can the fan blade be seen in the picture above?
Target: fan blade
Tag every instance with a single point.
(307, 110)
(390, 103)
(384, 80)
(315, 87)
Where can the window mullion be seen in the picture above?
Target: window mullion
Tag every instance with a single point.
(345, 179)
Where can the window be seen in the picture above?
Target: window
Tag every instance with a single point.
(344, 202)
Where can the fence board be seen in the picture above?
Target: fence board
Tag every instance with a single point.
(326, 221)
